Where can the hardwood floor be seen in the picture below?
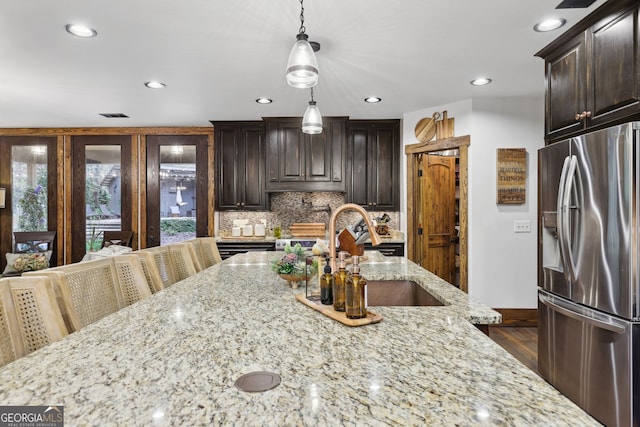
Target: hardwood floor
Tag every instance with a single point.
(521, 342)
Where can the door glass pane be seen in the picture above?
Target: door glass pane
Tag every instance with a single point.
(102, 192)
(177, 193)
(29, 186)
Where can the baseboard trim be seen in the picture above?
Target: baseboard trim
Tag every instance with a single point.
(518, 316)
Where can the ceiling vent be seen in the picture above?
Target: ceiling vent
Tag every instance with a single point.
(575, 4)
(114, 115)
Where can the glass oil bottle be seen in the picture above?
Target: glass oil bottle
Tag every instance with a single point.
(356, 292)
(326, 286)
(339, 281)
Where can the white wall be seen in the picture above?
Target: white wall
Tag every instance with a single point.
(502, 264)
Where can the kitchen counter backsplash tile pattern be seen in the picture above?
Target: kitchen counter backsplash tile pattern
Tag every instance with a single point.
(292, 207)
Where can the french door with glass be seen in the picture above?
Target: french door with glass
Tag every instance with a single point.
(177, 188)
(28, 173)
(102, 189)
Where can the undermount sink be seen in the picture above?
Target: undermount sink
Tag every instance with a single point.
(398, 293)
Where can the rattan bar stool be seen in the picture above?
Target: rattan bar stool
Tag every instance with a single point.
(182, 258)
(29, 316)
(88, 290)
(195, 250)
(164, 264)
(132, 283)
(210, 252)
(150, 270)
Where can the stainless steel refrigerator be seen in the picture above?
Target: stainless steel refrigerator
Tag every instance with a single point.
(589, 255)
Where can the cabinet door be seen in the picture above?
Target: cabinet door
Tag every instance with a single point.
(373, 154)
(566, 74)
(253, 197)
(239, 165)
(384, 158)
(360, 172)
(285, 152)
(300, 162)
(613, 69)
(227, 168)
(317, 158)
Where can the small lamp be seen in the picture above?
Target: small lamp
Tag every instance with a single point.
(302, 68)
(312, 119)
(3, 196)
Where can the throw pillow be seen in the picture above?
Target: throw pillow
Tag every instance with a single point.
(17, 263)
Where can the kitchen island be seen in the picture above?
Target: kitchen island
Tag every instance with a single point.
(173, 359)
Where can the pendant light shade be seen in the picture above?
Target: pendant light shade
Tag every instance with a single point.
(302, 67)
(312, 119)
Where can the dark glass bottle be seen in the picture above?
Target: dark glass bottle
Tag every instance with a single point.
(339, 281)
(356, 292)
(326, 286)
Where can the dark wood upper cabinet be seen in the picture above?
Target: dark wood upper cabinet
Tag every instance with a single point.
(299, 162)
(593, 72)
(373, 164)
(565, 88)
(239, 153)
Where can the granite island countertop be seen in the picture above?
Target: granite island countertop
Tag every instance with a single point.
(172, 359)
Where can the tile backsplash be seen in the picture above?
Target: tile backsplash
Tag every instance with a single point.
(292, 207)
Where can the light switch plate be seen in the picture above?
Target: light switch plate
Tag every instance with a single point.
(522, 226)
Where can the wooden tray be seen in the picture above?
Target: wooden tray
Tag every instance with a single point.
(340, 316)
(307, 229)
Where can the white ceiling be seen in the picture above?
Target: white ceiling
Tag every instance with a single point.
(217, 56)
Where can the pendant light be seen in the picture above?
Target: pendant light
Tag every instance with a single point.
(312, 119)
(302, 67)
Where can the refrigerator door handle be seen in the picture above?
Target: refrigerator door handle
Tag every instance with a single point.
(563, 177)
(564, 210)
(609, 324)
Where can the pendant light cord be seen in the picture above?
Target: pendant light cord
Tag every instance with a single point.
(312, 101)
(302, 28)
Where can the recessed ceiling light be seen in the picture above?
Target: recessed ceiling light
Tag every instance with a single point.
(264, 101)
(549, 25)
(155, 85)
(81, 30)
(372, 99)
(481, 81)
(114, 115)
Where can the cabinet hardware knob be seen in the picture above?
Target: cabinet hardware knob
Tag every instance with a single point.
(583, 115)
(375, 203)
(238, 204)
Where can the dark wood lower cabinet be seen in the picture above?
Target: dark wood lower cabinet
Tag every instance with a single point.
(386, 249)
(229, 249)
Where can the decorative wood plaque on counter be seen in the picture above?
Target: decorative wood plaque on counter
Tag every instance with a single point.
(511, 175)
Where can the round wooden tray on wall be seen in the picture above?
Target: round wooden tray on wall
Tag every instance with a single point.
(426, 128)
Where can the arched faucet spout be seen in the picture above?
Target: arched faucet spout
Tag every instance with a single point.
(375, 238)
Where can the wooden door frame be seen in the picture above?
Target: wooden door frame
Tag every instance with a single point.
(203, 182)
(54, 197)
(412, 152)
(76, 235)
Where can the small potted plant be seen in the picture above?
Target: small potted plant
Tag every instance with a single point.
(295, 266)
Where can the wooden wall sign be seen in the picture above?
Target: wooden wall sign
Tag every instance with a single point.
(511, 168)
